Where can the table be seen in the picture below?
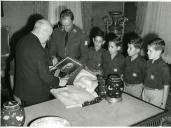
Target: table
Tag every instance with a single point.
(130, 111)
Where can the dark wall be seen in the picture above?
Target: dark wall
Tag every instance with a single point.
(100, 9)
(16, 14)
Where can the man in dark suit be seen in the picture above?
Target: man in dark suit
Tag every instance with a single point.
(33, 79)
(68, 39)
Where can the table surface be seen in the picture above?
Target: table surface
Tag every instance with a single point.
(125, 113)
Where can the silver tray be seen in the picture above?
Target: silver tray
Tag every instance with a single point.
(49, 121)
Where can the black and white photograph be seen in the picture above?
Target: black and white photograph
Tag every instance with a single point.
(85, 63)
(66, 67)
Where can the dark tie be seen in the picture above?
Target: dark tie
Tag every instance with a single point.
(66, 38)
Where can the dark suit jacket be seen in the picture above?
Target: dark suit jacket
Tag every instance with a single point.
(33, 79)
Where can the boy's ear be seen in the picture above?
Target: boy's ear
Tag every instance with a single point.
(139, 50)
(119, 48)
(103, 42)
(159, 52)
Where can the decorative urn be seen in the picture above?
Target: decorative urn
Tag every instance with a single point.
(12, 114)
(101, 89)
(115, 88)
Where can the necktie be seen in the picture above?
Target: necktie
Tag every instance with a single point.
(66, 38)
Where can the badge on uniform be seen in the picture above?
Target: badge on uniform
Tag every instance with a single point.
(86, 43)
(115, 69)
(152, 77)
(134, 74)
(98, 65)
(74, 30)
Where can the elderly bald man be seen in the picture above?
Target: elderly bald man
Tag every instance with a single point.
(33, 79)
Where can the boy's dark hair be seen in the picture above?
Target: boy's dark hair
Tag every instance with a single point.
(100, 33)
(158, 44)
(114, 38)
(136, 41)
(66, 13)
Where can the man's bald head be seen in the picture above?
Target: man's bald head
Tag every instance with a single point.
(42, 24)
(42, 29)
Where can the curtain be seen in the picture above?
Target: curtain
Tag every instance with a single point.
(86, 15)
(2, 10)
(156, 18)
(55, 8)
(140, 14)
(41, 7)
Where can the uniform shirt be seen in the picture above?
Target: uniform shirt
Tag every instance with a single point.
(134, 70)
(157, 74)
(94, 58)
(76, 46)
(112, 66)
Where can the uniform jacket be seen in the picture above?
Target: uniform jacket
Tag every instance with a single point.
(33, 79)
(76, 46)
(94, 58)
(157, 74)
(113, 66)
(134, 70)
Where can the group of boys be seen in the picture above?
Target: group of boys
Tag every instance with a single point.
(148, 80)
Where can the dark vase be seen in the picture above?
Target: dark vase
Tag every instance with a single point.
(12, 114)
(115, 88)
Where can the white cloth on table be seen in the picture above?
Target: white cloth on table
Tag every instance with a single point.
(83, 89)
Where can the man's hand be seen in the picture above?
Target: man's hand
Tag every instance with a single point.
(57, 73)
(54, 60)
(63, 81)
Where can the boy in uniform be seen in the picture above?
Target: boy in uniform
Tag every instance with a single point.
(157, 75)
(112, 60)
(94, 56)
(134, 68)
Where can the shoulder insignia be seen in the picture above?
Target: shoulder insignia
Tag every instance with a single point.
(134, 74)
(74, 30)
(115, 70)
(85, 43)
(152, 77)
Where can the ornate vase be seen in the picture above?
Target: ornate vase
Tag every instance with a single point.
(12, 114)
(115, 26)
(101, 89)
(115, 23)
(115, 87)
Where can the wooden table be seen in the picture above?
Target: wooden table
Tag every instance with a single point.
(130, 111)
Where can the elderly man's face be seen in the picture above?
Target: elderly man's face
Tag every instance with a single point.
(67, 23)
(46, 35)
